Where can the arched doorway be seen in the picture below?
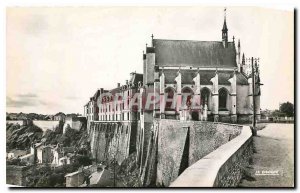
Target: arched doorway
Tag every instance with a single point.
(223, 99)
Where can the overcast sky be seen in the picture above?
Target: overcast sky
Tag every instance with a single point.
(58, 57)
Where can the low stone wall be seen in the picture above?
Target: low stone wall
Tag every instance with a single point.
(20, 122)
(76, 179)
(45, 125)
(16, 175)
(221, 168)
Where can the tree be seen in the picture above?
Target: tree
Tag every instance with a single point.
(278, 113)
(287, 108)
(82, 160)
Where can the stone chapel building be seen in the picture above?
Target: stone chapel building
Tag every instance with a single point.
(211, 74)
(211, 71)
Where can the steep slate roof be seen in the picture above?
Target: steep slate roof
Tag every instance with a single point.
(96, 95)
(136, 78)
(194, 53)
(205, 77)
(115, 90)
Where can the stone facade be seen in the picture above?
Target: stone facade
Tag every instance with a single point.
(44, 154)
(114, 105)
(59, 117)
(76, 123)
(211, 72)
(91, 109)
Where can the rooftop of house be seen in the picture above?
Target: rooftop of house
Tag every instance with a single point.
(41, 145)
(26, 156)
(60, 114)
(135, 78)
(18, 152)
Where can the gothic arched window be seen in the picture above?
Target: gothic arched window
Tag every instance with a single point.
(170, 94)
(205, 93)
(223, 94)
(189, 94)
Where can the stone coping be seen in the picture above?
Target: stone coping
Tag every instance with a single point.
(114, 121)
(90, 167)
(191, 121)
(204, 172)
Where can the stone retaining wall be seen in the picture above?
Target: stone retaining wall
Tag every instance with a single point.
(113, 140)
(221, 168)
(175, 145)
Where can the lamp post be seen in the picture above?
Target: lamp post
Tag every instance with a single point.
(254, 131)
(253, 76)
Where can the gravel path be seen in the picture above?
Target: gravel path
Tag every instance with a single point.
(273, 159)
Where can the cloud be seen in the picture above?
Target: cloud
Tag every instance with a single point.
(24, 100)
(37, 24)
(28, 95)
(71, 97)
(10, 102)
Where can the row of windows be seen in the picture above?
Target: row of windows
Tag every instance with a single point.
(106, 99)
(109, 107)
(117, 117)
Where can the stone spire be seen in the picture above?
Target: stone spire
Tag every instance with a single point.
(243, 63)
(152, 36)
(239, 56)
(225, 32)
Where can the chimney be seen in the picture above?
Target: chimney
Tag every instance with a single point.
(144, 68)
(118, 85)
(131, 75)
(126, 82)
